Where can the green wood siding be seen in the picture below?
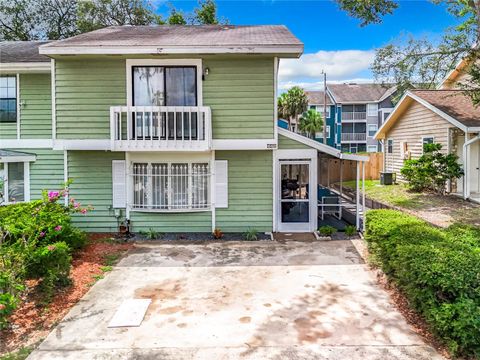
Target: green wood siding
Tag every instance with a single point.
(171, 222)
(91, 172)
(85, 90)
(285, 143)
(8, 130)
(36, 113)
(46, 173)
(240, 92)
(250, 191)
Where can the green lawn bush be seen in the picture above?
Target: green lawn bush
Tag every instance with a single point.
(438, 270)
(36, 242)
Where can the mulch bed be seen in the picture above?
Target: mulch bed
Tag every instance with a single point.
(32, 322)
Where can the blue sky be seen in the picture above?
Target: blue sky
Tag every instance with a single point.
(333, 41)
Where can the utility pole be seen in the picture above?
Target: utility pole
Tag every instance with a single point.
(324, 107)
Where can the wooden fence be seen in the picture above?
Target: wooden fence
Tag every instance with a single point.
(330, 172)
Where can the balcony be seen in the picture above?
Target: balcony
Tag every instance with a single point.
(354, 137)
(160, 128)
(350, 116)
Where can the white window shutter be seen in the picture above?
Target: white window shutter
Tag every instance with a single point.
(221, 183)
(119, 183)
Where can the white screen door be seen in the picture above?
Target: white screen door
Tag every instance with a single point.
(294, 197)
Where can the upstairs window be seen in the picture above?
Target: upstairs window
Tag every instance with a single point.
(164, 85)
(8, 99)
(372, 130)
(372, 109)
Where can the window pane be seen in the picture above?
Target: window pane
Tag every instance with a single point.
(347, 108)
(295, 212)
(140, 182)
(160, 186)
(2, 183)
(199, 186)
(179, 179)
(16, 188)
(295, 181)
(181, 86)
(148, 86)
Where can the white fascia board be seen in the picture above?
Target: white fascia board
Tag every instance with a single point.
(473, 129)
(244, 144)
(388, 93)
(9, 159)
(82, 145)
(290, 51)
(26, 144)
(26, 67)
(321, 147)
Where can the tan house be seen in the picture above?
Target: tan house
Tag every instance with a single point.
(444, 116)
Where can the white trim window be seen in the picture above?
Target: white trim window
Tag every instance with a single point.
(14, 182)
(170, 186)
(320, 109)
(427, 140)
(319, 135)
(372, 109)
(8, 99)
(389, 146)
(372, 130)
(372, 148)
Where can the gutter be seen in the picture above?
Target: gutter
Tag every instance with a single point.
(466, 185)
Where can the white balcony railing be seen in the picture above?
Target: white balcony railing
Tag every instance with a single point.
(354, 116)
(141, 128)
(354, 137)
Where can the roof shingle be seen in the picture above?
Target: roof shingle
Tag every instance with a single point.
(21, 51)
(183, 35)
(350, 93)
(453, 103)
(316, 97)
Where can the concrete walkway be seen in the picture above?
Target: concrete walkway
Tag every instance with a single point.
(239, 300)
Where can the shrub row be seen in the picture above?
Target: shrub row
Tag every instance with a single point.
(438, 270)
(36, 242)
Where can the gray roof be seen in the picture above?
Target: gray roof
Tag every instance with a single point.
(194, 36)
(21, 51)
(352, 92)
(316, 97)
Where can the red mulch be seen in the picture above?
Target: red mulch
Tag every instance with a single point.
(32, 322)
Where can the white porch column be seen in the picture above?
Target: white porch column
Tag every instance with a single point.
(363, 195)
(357, 202)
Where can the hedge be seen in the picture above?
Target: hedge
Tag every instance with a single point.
(438, 270)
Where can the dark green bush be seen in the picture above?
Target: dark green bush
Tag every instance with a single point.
(327, 230)
(438, 270)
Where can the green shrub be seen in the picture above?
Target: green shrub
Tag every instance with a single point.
(432, 170)
(8, 303)
(350, 230)
(250, 235)
(50, 263)
(327, 230)
(438, 270)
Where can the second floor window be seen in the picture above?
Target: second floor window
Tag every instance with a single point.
(8, 99)
(372, 130)
(390, 146)
(164, 86)
(372, 109)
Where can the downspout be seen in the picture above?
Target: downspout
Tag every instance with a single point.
(466, 184)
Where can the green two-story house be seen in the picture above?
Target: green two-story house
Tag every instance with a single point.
(164, 127)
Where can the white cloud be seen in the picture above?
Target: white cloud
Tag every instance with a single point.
(339, 65)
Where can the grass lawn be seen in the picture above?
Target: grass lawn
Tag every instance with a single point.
(439, 210)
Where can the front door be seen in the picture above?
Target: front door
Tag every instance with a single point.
(294, 198)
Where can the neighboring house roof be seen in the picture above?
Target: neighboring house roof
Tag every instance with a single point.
(360, 93)
(452, 105)
(321, 147)
(317, 97)
(162, 39)
(21, 52)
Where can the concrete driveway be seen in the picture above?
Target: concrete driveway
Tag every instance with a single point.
(239, 300)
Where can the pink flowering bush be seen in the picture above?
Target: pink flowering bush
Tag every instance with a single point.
(36, 242)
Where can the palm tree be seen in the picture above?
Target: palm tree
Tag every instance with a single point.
(292, 103)
(311, 122)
